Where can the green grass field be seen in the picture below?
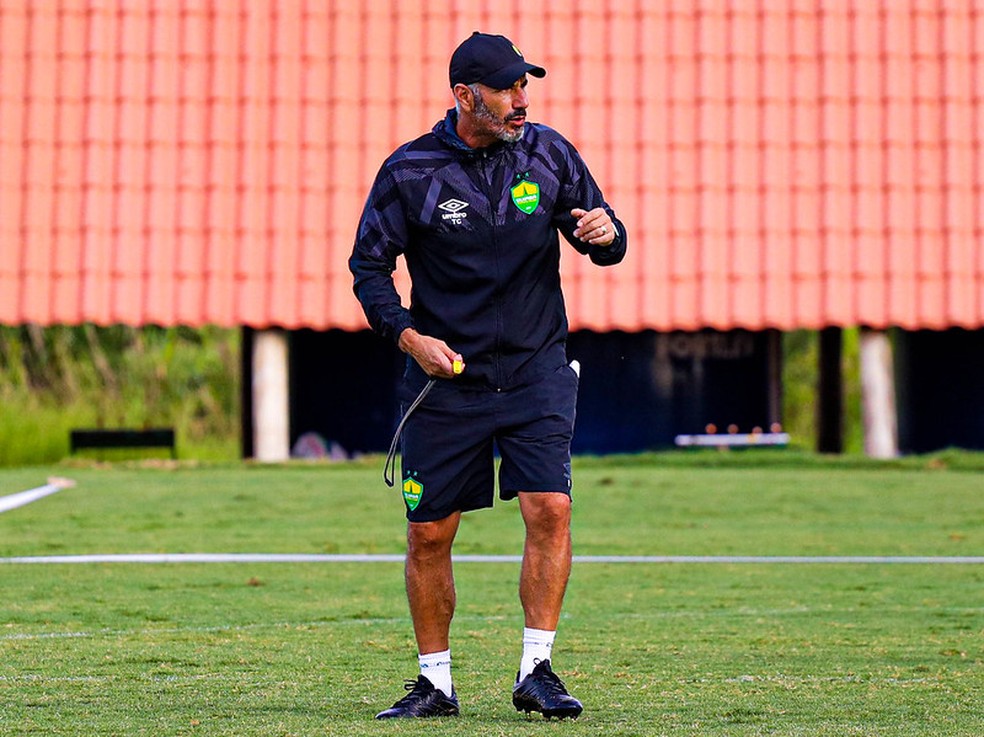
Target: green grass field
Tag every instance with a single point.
(652, 649)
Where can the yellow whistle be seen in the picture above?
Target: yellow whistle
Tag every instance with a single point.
(457, 366)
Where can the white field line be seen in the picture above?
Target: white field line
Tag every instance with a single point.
(13, 501)
(579, 559)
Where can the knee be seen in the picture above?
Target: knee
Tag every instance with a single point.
(429, 540)
(548, 514)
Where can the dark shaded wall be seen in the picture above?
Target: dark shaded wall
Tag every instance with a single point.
(940, 389)
(343, 387)
(637, 390)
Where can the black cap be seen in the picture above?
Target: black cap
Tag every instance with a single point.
(492, 60)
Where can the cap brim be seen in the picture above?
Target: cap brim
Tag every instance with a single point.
(506, 77)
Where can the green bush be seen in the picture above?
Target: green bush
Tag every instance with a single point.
(63, 377)
(800, 376)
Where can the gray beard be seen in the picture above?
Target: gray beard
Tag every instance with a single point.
(495, 125)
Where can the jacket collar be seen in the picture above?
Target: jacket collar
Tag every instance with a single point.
(446, 131)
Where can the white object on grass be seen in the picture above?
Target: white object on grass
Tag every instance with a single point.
(711, 440)
(55, 484)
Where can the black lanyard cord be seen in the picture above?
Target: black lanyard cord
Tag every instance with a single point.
(389, 470)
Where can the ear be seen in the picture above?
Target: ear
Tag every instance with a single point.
(464, 97)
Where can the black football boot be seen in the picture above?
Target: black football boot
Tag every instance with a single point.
(423, 701)
(544, 692)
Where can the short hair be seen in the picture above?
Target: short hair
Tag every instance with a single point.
(474, 87)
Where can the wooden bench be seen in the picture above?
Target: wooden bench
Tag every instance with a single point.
(156, 437)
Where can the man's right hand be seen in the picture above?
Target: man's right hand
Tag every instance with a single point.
(433, 355)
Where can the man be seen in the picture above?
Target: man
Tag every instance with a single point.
(474, 207)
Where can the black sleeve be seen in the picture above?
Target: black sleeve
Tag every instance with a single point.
(380, 239)
(579, 189)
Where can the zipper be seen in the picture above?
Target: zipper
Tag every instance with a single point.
(493, 207)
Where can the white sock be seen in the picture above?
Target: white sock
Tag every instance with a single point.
(436, 667)
(537, 645)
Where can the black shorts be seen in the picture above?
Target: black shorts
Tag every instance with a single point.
(449, 443)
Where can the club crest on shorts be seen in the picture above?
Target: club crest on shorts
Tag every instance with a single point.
(526, 196)
(413, 490)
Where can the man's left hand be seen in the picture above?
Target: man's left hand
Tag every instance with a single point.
(594, 226)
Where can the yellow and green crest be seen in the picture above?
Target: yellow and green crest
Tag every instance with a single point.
(413, 490)
(526, 196)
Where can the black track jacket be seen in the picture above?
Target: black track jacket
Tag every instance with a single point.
(478, 229)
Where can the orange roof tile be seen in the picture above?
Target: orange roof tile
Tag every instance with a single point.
(779, 163)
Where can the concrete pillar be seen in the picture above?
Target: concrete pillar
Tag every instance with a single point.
(271, 392)
(881, 435)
